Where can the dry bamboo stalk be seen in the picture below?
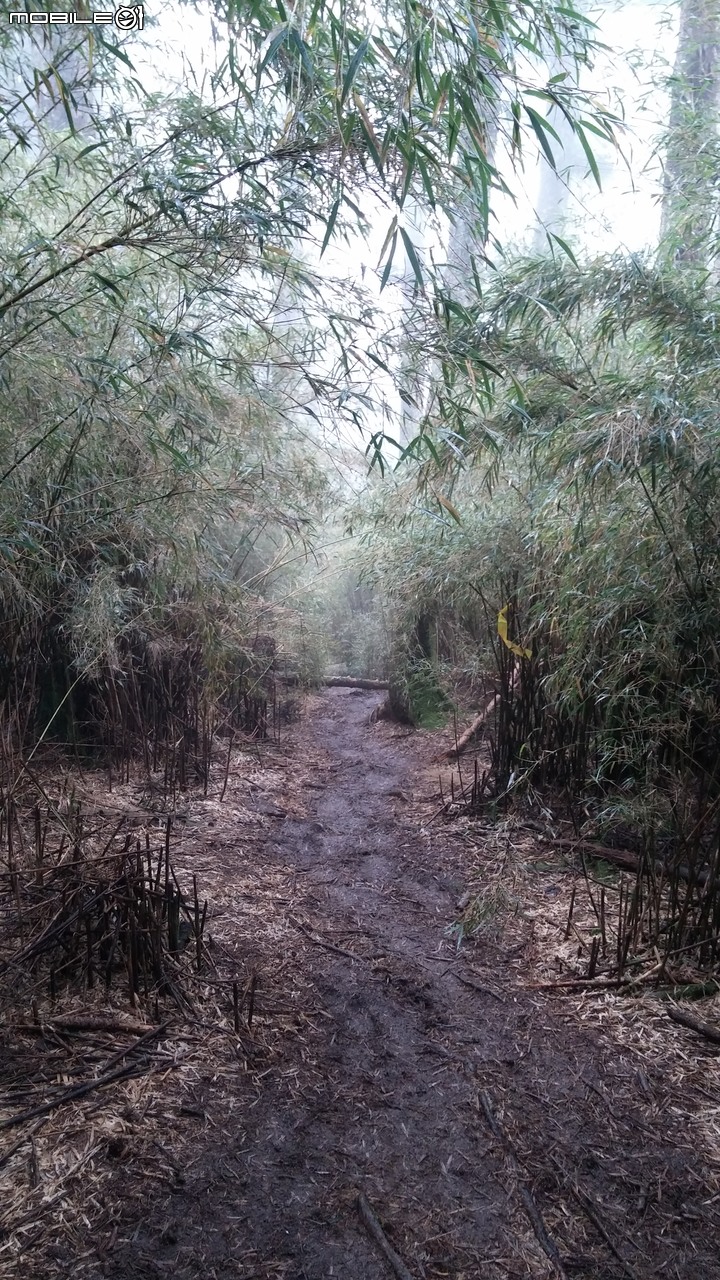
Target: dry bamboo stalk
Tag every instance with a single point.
(370, 1222)
(82, 1022)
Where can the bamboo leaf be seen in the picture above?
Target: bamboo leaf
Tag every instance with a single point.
(390, 232)
(369, 132)
(376, 360)
(589, 154)
(303, 49)
(92, 147)
(427, 184)
(388, 264)
(353, 68)
(541, 128)
(330, 226)
(551, 235)
(114, 49)
(447, 504)
(65, 99)
(276, 41)
(107, 283)
(412, 256)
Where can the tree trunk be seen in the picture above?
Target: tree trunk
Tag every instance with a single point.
(553, 201)
(467, 234)
(554, 207)
(689, 201)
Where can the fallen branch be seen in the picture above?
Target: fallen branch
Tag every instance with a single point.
(332, 682)
(590, 1209)
(694, 1024)
(81, 1022)
(626, 986)
(628, 861)
(477, 724)
(320, 942)
(536, 1219)
(80, 1090)
(372, 1225)
(478, 986)
(688, 991)
(466, 738)
(348, 682)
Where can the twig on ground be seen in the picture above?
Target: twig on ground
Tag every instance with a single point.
(372, 1225)
(88, 1086)
(478, 986)
(591, 1210)
(7, 1155)
(320, 942)
(546, 1243)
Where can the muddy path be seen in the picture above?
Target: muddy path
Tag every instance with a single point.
(376, 1082)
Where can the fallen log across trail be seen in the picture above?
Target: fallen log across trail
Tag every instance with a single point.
(336, 682)
(349, 682)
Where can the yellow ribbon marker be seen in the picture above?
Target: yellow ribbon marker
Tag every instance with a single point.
(502, 632)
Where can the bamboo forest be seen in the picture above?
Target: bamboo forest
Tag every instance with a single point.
(360, 640)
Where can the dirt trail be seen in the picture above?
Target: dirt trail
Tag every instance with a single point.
(380, 1091)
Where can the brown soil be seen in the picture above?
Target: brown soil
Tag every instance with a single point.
(367, 1057)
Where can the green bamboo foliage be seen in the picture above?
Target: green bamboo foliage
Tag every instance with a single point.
(586, 498)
